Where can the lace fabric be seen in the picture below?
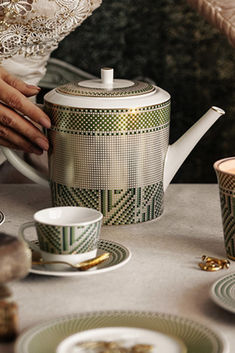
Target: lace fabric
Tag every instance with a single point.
(220, 13)
(31, 29)
(35, 27)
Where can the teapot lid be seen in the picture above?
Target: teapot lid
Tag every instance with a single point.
(106, 86)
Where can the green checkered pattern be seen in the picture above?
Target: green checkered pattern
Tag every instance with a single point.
(137, 203)
(108, 120)
(108, 133)
(74, 89)
(68, 240)
(122, 206)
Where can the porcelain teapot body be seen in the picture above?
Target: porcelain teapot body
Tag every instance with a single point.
(109, 147)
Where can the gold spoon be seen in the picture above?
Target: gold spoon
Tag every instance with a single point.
(81, 266)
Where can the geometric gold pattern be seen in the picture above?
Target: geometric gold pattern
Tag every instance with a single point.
(108, 162)
(112, 121)
(109, 159)
(137, 88)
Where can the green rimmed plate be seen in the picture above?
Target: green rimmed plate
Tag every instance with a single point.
(223, 292)
(119, 256)
(46, 337)
(2, 217)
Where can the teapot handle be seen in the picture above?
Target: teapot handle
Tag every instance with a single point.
(24, 167)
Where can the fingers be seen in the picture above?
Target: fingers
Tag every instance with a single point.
(19, 143)
(24, 88)
(16, 100)
(20, 132)
(15, 130)
(8, 144)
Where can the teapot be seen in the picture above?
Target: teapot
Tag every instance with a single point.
(109, 147)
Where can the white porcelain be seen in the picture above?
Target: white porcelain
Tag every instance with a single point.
(47, 256)
(65, 233)
(68, 216)
(118, 158)
(176, 153)
(126, 337)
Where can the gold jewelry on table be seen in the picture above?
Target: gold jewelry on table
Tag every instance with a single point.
(213, 263)
(222, 262)
(209, 267)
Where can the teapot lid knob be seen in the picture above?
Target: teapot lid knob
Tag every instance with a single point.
(107, 74)
(107, 86)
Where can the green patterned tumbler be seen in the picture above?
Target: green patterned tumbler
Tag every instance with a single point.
(225, 171)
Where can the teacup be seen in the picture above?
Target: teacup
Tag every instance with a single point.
(225, 171)
(65, 233)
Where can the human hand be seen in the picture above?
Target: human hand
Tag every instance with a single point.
(18, 115)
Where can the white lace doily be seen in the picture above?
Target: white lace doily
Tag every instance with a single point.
(31, 29)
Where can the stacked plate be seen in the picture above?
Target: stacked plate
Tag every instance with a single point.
(223, 292)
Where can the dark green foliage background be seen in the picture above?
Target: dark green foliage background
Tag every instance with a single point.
(168, 42)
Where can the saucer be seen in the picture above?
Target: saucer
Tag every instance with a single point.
(196, 337)
(119, 256)
(223, 292)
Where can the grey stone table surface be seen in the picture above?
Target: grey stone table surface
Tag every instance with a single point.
(162, 275)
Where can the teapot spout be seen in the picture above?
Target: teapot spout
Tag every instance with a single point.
(178, 152)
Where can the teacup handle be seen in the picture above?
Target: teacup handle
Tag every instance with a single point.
(23, 236)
